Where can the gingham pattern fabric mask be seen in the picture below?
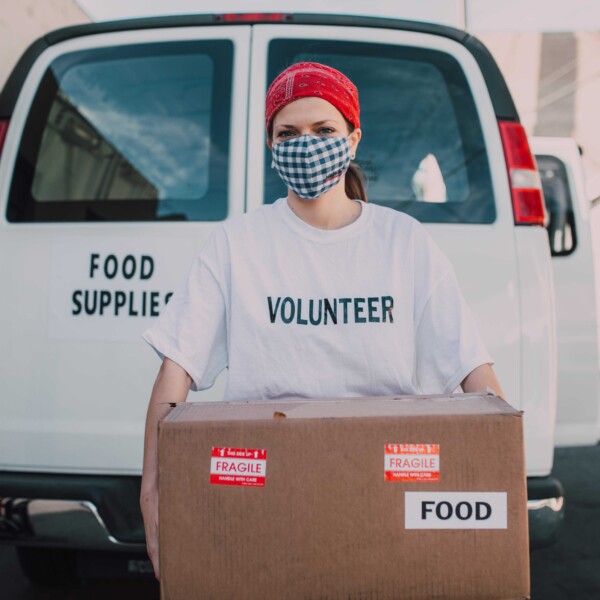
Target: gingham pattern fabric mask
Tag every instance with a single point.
(311, 165)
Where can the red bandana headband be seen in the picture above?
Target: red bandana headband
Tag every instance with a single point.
(306, 79)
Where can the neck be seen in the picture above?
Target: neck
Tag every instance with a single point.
(331, 210)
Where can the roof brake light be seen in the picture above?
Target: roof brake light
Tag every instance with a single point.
(3, 130)
(253, 17)
(524, 178)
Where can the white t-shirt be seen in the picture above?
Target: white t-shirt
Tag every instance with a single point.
(369, 309)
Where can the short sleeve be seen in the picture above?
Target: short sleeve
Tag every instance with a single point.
(192, 329)
(448, 343)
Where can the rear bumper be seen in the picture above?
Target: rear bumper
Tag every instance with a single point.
(102, 512)
(71, 511)
(546, 510)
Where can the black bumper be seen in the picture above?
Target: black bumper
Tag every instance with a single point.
(545, 504)
(71, 509)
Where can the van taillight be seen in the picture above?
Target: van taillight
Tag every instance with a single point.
(3, 130)
(524, 179)
(253, 17)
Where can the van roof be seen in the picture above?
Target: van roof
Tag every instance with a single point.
(502, 102)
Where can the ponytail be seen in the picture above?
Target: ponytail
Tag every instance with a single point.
(355, 183)
(354, 186)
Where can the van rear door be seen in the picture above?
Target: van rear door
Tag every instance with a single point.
(430, 147)
(121, 154)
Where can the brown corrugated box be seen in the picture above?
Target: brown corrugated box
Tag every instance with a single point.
(347, 498)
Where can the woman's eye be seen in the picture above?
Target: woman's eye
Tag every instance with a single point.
(284, 134)
(325, 130)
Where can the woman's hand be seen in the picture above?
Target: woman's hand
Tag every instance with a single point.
(172, 385)
(149, 506)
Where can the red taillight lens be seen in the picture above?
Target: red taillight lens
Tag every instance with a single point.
(253, 17)
(523, 176)
(3, 130)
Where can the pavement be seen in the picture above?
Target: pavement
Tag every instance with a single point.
(568, 570)
(14, 585)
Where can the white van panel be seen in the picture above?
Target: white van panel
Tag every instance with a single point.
(79, 405)
(538, 347)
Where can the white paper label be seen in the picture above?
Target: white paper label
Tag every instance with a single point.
(455, 510)
(112, 288)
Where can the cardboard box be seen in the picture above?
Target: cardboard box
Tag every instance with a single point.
(387, 498)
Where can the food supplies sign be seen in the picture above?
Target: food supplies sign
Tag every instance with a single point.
(411, 462)
(112, 288)
(238, 466)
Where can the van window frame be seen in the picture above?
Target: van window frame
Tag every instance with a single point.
(23, 208)
(282, 46)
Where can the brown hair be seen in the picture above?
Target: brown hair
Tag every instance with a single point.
(355, 183)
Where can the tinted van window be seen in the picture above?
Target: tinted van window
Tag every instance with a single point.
(422, 148)
(562, 234)
(128, 133)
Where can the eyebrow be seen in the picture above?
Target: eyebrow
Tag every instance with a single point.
(316, 123)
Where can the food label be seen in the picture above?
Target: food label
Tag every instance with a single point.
(238, 466)
(411, 462)
(455, 510)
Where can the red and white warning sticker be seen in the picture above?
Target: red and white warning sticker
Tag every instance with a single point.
(412, 462)
(238, 466)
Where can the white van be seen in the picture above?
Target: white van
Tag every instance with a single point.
(126, 141)
(574, 247)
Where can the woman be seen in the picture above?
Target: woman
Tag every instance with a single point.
(318, 294)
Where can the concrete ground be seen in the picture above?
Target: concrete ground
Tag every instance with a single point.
(569, 569)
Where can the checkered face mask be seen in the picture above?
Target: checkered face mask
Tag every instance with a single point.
(311, 165)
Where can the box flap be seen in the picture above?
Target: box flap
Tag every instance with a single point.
(382, 406)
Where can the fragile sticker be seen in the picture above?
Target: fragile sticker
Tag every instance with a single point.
(412, 462)
(238, 466)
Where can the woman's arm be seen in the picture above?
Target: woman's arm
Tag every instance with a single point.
(172, 385)
(479, 379)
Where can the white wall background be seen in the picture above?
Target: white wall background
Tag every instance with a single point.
(22, 21)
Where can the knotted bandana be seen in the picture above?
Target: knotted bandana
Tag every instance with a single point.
(307, 79)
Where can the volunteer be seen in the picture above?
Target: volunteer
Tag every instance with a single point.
(319, 294)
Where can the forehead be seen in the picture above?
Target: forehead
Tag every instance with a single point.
(305, 111)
